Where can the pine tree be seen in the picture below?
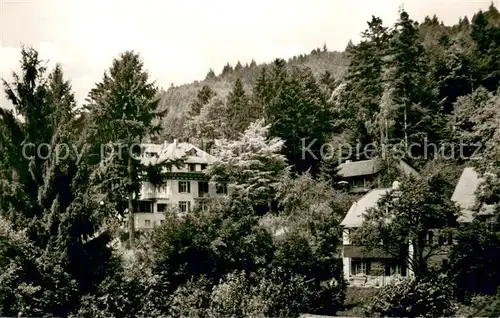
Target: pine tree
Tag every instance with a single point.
(123, 107)
(238, 67)
(212, 123)
(238, 106)
(28, 94)
(261, 90)
(349, 46)
(60, 96)
(50, 212)
(327, 81)
(210, 75)
(486, 35)
(227, 69)
(365, 82)
(299, 115)
(418, 116)
(202, 98)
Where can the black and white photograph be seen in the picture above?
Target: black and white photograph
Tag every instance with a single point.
(279, 158)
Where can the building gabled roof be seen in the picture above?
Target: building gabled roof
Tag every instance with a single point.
(465, 194)
(157, 153)
(354, 217)
(369, 167)
(192, 154)
(358, 168)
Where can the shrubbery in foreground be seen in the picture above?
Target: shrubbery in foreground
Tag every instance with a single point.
(429, 297)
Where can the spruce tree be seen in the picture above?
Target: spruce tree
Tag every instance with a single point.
(227, 69)
(419, 113)
(261, 90)
(202, 98)
(54, 238)
(365, 81)
(238, 67)
(299, 115)
(210, 75)
(123, 107)
(486, 35)
(239, 115)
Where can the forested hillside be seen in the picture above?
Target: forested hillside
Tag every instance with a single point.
(399, 84)
(179, 98)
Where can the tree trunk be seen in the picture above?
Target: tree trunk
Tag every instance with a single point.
(420, 269)
(131, 220)
(406, 129)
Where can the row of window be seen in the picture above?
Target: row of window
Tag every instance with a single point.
(431, 239)
(363, 267)
(184, 207)
(185, 187)
(147, 223)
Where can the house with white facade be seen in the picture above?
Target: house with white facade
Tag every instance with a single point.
(361, 267)
(184, 188)
(375, 267)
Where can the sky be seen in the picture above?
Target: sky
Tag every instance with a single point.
(180, 41)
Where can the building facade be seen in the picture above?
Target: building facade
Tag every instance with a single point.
(375, 268)
(363, 268)
(362, 176)
(185, 187)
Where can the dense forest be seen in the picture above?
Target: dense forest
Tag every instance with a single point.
(271, 247)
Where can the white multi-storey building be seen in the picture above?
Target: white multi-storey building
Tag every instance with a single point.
(184, 187)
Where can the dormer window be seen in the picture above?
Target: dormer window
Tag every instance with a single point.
(191, 152)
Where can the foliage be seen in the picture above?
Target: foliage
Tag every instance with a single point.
(474, 261)
(417, 116)
(49, 204)
(270, 247)
(240, 115)
(298, 113)
(251, 165)
(485, 306)
(404, 217)
(365, 83)
(205, 94)
(272, 294)
(192, 299)
(212, 122)
(123, 108)
(476, 117)
(430, 297)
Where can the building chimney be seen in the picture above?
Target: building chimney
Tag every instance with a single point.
(175, 143)
(395, 185)
(165, 144)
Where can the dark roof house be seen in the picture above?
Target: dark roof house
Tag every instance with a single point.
(362, 175)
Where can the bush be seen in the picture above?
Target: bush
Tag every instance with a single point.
(429, 297)
(275, 293)
(192, 299)
(482, 306)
